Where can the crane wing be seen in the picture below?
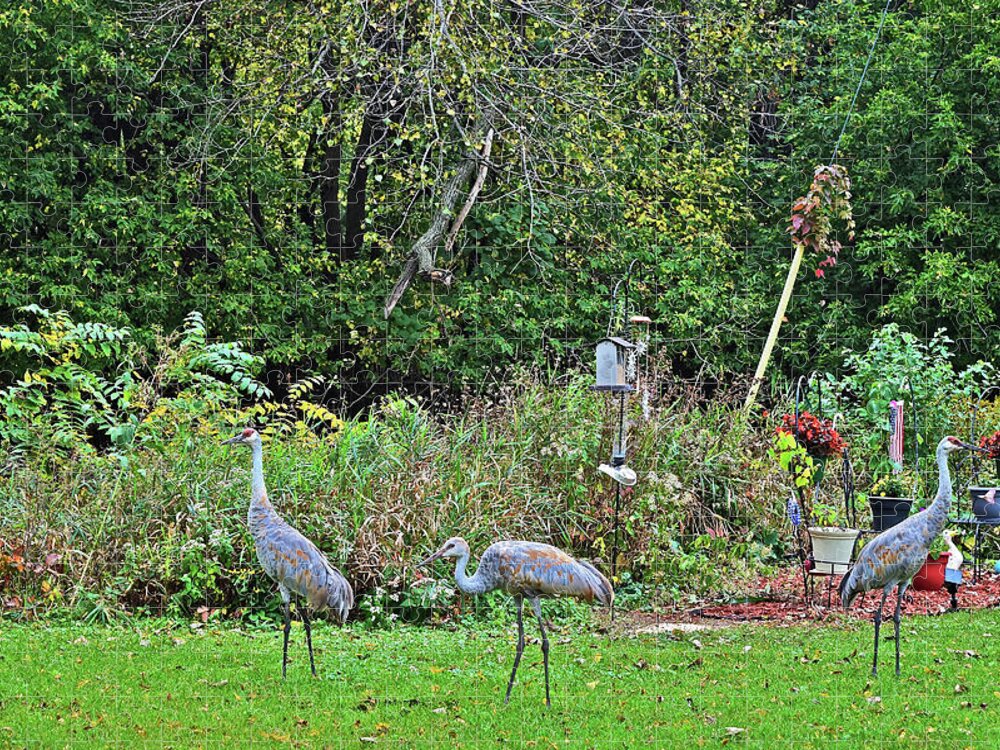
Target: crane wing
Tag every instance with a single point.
(297, 564)
(531, 569)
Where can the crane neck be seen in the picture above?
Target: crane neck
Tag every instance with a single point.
(474, 585)
(259, 491)
(938, 512)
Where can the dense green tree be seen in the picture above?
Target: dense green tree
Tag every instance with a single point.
(283, 167)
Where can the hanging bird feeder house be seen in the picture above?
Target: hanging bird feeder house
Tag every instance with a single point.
(612, 365)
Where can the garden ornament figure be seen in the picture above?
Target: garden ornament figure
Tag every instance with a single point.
(953, 569)
(291, 560)
(893, 557)
(526, 570)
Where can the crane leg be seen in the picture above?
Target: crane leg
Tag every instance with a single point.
(288, 629)
(896, 618)
(520, 645)
(537, 606)
(878, 623)
(304, 614)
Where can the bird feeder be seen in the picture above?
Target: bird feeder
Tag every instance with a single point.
(617, 469)
(619, 356)
(624, 475)
(612, 365)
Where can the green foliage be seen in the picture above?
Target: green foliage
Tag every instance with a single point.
(938, 546)
(894, 361)
(828, 515)
(160, 525)
(139, 181)
(793, 458)
(78, 386)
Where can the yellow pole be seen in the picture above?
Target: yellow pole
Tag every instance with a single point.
(779, 315)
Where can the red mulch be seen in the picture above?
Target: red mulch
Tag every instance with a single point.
(783, 600)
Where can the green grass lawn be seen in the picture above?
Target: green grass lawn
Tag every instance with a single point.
(803, 686)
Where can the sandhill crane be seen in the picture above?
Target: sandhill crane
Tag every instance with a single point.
(291, 560)
(893, 557)
(527, 570)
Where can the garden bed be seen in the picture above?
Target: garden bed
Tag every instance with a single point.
(780, 601)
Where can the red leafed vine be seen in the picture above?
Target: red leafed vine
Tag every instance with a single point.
(813, 214)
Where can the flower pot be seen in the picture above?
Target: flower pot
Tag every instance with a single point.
(931, 576)
(832, 548)
(888, 511)
(980, 506)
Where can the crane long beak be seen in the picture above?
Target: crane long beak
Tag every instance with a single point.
(233, 440)
(428, 560)
(970, 447)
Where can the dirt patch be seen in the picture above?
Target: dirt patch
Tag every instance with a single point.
(780, 599)
(681, 628)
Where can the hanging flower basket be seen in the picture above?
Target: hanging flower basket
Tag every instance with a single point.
(817, 436)
(931, 576)
(992, 445)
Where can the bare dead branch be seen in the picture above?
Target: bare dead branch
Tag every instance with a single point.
(473, 194)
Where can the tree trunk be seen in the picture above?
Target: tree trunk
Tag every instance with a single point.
(357, 188)
(329, 175)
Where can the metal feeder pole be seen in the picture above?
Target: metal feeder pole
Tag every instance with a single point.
(621, 417)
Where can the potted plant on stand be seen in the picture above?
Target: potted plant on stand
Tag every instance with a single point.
(930, 577)
(832, 539)
(891, 498)
(986, 495)
(802, 446)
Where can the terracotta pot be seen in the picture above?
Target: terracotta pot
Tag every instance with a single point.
(832, 548)
(931, 576)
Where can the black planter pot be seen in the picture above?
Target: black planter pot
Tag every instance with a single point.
(980, 507)
(888, 511)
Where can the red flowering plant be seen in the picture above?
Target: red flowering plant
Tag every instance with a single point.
(802, 447)
(816, 435)
(992, 444)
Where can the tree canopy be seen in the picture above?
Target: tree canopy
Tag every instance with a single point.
(400, 192)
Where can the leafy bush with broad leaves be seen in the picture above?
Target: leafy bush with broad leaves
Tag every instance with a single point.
(894, 361)
(78, 386)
